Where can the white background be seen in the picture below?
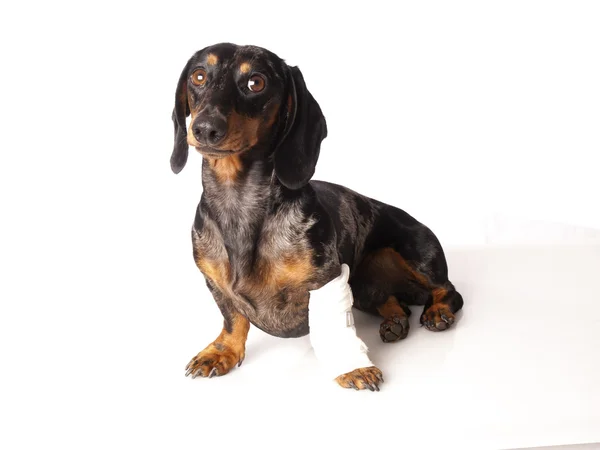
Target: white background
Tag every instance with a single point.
(481, 119)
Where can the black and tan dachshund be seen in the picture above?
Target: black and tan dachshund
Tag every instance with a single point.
(264, 234)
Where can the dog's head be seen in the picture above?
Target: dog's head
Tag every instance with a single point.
(246, 99)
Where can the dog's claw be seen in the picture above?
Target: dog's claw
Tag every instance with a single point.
(241, 361)
(213, 372)
(361, 378)
(438, 317)
(448, 320)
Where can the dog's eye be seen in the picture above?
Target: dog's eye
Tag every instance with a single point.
(256, 83)
(199, 77)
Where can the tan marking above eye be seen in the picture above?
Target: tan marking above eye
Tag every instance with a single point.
(256, 83)
(245, 67)
(199, 77)
(212, 59)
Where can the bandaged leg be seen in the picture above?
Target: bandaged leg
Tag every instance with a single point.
(332, 332)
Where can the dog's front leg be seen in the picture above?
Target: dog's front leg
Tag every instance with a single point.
(333, 336)
(227, 350)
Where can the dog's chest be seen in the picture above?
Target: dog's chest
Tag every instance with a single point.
(266, 277)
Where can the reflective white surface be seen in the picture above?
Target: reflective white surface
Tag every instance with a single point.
(460, 113)
(520, 368)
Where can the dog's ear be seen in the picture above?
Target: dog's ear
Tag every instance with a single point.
(298, 148)
(180, 112)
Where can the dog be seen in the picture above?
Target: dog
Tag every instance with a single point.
(264, 234)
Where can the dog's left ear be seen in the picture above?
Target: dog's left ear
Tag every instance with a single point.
(298, 149)
(180, 112)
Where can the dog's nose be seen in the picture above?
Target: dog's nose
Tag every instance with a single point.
(210, 131)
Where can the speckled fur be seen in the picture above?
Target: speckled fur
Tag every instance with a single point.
(264, 235)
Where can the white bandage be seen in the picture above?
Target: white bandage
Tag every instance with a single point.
(332, 332)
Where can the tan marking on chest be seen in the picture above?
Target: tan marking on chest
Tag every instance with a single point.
(226, 169)
(217, 271)
(293, 270)
(269, 277)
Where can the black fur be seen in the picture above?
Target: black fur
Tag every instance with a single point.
(259, 212)
(296, 156)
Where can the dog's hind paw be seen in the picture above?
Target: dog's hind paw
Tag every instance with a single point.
(437, 317)
(394, 328)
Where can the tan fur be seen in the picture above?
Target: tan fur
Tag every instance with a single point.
(227, 350)
(242, 132)
(239, 332)
(226, 169)
(434, 313)
(293, 270)
(391, 308)
(212, 59)
(245, 67)
(218, 271)
(258, 295)
(387, 266)
(191, 139)
(270, 277)
(363, 378)
(438, 294)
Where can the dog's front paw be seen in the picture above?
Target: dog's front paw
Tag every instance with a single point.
(214, 360)
(364, 378)
(437, 317)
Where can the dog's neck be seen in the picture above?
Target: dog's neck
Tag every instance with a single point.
(237, 183)
(238, 196)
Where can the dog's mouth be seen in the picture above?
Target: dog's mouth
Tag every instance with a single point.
(216, 152)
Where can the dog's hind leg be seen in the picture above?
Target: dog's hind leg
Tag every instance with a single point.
(439, 310)
(370, 298)
(385, 283)
(395, 324)
(381, 286)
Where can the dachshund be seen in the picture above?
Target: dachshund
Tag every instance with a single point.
(264, 234)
